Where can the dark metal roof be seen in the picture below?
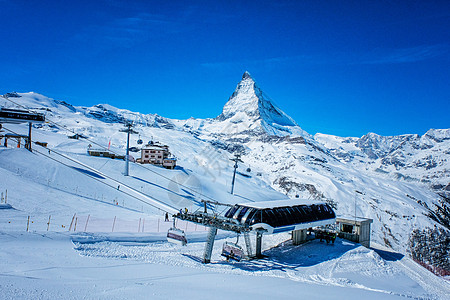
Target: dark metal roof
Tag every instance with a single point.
(282, 215)
(20, 116)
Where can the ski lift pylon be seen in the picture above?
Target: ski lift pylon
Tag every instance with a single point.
(176, 236)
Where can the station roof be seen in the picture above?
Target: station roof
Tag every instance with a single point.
(16, 116)
(351, 219)
(154, 147)
(98, 150)
(13, 135)
(280, 203)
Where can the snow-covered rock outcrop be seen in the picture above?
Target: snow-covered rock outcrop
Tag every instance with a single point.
(249, 111)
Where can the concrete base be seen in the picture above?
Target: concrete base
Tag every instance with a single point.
(299, 236)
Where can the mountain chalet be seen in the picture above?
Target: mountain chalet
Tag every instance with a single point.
(157, 155)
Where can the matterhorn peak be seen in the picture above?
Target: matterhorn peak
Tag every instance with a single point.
(251, 108)
(246, 75)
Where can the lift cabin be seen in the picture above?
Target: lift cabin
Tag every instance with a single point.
(282, 215)
(176, 235)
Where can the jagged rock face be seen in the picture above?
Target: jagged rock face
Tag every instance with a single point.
(250, 107)
(376, 146)
(407, 157)
(248, 98)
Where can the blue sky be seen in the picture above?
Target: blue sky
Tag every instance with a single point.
(338, 67)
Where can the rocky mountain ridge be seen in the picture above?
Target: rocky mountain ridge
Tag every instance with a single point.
(409, 157)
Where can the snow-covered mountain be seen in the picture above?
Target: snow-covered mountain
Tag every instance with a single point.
(392, 180)
(407, 157)
(389, 178)
(249, 111)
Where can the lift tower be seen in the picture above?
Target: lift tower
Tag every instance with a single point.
(236, 159)
(128, 130)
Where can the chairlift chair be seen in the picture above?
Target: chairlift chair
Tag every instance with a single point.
(232, 251)
(176, 236)
(139, 141)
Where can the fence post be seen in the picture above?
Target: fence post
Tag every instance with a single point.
(143, 222)
(48, 223)
(75, 226)
(158, 224)
(28, 223)
(114, 223)
(87, 220)
(71, 223)
(139, 228)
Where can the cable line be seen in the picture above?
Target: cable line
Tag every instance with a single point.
(97, 179)
(103, 147)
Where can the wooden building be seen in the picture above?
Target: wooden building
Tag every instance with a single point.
(104, 153)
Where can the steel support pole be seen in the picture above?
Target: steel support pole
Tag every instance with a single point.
(234, 177)
(236, 159)
(128, 152)
(248, 244)
(209, 245)
(258, 244)
(29, 136)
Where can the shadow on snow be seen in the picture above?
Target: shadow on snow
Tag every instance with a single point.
(287, 256)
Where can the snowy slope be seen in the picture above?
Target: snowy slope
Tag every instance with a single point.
(294, 165)
(280, 161)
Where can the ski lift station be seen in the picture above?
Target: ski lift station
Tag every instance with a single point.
(268, 217)
(16, 116)
(355, 229)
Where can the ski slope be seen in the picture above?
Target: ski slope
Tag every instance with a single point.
(141, 265)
